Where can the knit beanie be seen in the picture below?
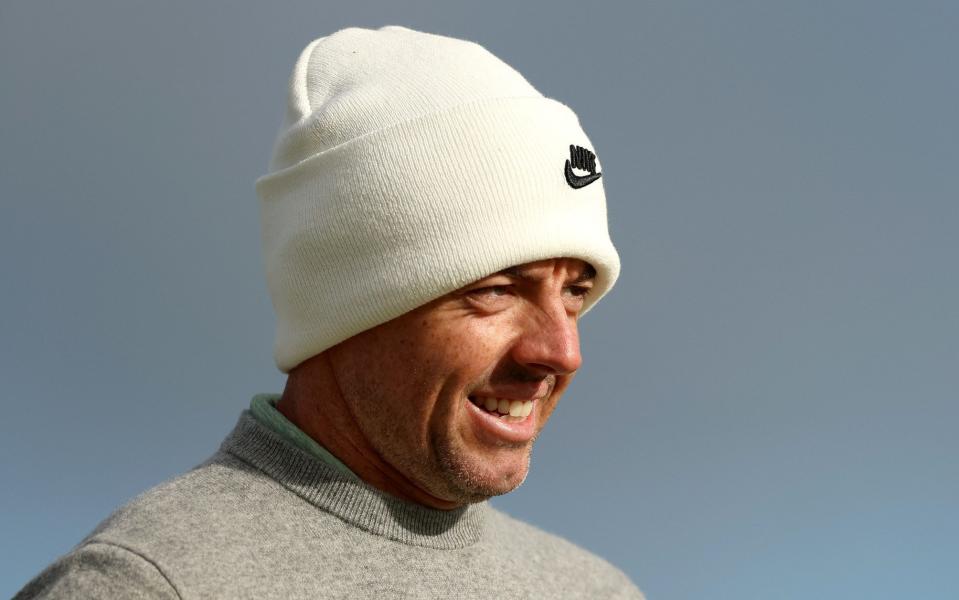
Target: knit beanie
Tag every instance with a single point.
(411, 164)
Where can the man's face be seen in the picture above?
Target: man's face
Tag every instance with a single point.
(419, 386)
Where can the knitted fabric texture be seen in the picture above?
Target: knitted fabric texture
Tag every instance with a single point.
(410, 164)
(263, 519)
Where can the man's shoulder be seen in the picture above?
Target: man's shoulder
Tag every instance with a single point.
(571, 565)
(542, 544)
(126, 554)
(209, 505)
(100, 570)
(191, 492)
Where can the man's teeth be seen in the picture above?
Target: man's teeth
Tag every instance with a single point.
(513, 408)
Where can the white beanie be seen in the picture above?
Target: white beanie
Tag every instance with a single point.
(409, 165)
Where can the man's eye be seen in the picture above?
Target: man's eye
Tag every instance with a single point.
(580, 291)
(494, 291)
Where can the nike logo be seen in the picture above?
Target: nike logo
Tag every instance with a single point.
(582, 159)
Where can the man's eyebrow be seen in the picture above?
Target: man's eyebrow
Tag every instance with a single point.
(588, 274)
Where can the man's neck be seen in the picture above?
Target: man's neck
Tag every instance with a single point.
(317, 409)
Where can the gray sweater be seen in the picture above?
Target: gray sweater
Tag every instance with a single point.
(263, 519)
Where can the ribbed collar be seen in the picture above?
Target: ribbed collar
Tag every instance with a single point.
(263, 408)
(349, 499)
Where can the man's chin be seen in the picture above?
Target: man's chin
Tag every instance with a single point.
(476, 480)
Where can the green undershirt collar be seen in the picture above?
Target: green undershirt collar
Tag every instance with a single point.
(263, 409)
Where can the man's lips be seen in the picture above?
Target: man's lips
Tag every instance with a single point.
(496, 428)
(518, 391)
(503, 406)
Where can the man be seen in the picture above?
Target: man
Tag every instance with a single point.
(433, 228)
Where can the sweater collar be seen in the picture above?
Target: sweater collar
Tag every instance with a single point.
(263, 408)
(350, 499)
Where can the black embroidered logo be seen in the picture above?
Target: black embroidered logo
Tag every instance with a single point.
(584, 160)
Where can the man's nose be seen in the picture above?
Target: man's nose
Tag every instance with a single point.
(549, 341)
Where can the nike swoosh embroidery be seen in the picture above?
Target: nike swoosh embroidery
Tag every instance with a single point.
(577, 181)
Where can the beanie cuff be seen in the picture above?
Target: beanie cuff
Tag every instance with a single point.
(367, 230)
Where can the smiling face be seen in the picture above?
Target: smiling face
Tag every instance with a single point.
(419, 387)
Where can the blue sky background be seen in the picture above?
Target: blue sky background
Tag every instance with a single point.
(768, 404)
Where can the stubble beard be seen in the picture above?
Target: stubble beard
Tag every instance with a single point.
(461, 478)
(449, 471)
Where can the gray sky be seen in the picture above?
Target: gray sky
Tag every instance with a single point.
(767, 407)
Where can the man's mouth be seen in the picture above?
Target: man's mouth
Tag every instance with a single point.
(504, 408)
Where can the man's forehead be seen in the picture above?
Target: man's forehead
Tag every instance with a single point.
(582, 270)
